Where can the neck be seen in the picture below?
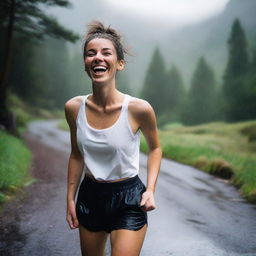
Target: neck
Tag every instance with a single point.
(104, 95)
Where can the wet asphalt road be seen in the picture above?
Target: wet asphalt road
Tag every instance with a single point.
(196, 215)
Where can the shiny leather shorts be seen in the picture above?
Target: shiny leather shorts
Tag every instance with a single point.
(107, 206)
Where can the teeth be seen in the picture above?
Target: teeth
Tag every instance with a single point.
(99, 69)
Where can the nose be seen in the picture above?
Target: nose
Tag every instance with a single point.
(98, 57)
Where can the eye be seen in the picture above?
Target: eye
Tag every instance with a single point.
(89, 54)
(107, 53)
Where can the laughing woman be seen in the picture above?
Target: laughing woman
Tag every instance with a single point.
(104, 131)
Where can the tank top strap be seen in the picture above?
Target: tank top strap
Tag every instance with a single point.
(85, 97)
(127, 99)
(81, 110)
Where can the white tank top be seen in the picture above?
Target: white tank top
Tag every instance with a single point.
(111, 153)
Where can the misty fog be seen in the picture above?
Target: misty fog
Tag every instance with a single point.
(180, 44)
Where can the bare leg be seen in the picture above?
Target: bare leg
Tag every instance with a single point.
(92, 243)
(127, 242)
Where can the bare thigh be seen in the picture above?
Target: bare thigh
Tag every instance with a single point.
(92, 243)
(127, 242)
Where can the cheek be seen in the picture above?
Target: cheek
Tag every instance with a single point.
(86, 66)
(86, 62)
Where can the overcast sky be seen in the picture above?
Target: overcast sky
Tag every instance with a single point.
(170, 12)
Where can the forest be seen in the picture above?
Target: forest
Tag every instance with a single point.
(40, 65)
(205, 100)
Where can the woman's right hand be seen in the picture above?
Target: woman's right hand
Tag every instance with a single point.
(71, 215)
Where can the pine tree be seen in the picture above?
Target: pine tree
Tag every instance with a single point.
(25, 20)
(175, 94)
(52, 75)
(200, 104)
(155, 83)
(250, 91)
(23, 70)
(235, 73)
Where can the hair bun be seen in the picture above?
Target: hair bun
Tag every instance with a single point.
(97, 27)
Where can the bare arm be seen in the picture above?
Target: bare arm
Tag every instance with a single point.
(146, 120)
(149, 130)
(75, 164)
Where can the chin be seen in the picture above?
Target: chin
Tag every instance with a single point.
(100, 82)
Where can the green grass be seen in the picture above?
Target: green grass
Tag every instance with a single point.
(15, 160)
(15, 157)
(225, 150)
(25, 113)
(63, 125)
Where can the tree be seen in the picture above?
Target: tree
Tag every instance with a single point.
(250, 91)
(155, 82)
(25, 19)
(235, 74)
(175, 94)
(22, 80)
(200, 104)
(57, 68)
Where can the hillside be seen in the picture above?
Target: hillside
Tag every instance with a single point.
(210, 38)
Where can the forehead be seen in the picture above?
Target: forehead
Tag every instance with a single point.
(100, 43)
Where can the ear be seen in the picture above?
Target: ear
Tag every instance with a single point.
(121, 64)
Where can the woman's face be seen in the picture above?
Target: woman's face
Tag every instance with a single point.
(101, 61)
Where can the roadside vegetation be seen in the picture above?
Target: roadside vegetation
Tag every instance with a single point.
(221, 149)
(15, 157)
(63, 125)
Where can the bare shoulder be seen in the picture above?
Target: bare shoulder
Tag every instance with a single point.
(73, 102)
(140, 108)
(72, 107)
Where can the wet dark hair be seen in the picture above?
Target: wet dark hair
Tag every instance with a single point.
(96, 29)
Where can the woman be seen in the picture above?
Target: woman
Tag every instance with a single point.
(104, 129)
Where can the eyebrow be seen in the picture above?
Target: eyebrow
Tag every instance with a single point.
(104, 49)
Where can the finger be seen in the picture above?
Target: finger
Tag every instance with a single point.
(144, 207)
(143, 200)
(70, 223)
(148, 206)
(75, 222)
(74, 219)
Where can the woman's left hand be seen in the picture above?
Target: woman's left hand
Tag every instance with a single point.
(148, 202)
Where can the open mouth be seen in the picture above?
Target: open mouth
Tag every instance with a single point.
(99, 69)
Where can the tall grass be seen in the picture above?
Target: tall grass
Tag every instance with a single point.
(225, 150)
(15, 159)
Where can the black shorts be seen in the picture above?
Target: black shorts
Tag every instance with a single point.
(107, 206)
